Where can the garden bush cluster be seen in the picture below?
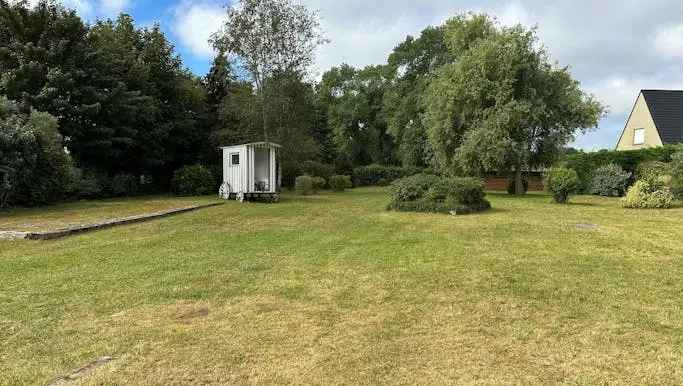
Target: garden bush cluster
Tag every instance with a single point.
(430, 193)
(195, 180)
(561, 183)
(585, 164)
(610, 181)
(307, 185)
(677, 175)
(649, 193)
(340, 183)
(381, 175)
(658, 186)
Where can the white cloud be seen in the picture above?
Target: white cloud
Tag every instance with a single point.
(83, 7)
(605, 43)
(113, 7)
(669, 41)
(194, 23)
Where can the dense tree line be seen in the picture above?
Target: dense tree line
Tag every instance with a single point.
(124, 108)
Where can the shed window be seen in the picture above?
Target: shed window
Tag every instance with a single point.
(639, 137)
(235, 159)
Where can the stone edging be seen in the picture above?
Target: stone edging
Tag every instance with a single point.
(59, 233)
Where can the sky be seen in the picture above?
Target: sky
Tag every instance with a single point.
(614, 48)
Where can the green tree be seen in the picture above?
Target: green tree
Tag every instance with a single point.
(354, 109)
(502, 106)
(123, 101)
(150, 115)
(34, 168)
(410, 69)
(44, 60)
(270, 38)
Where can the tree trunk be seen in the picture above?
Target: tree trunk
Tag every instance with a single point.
(519, 183)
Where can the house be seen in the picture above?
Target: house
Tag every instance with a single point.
(251, 172)
(656, 120)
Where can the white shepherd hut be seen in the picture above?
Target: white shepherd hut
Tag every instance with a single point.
(251, 172)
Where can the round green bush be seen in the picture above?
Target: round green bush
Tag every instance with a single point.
(652, 170)
(194, 180)
(649, 194)
(428, 193)
(339, 183)
(561, 182)
(466, 191)
(319, 183)
(412, 188)
(610, 181)
(304, 185)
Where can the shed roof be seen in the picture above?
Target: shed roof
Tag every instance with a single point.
(666, 108)
(255, 144)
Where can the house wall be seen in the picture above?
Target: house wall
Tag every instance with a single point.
(640, 119)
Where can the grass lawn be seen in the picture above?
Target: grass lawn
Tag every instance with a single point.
(89, 211)
(333, 289)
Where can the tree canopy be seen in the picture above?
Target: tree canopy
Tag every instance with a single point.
(467, 97)
(503, 105)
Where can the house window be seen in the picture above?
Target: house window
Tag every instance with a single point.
(235, 159)
(639, 137)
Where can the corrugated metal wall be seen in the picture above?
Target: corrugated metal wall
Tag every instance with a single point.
(242, 178)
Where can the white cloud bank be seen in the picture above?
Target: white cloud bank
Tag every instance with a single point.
(194, 23)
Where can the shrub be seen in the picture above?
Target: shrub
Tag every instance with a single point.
(34, 168)
(648, 194)
(195, 180)
(427, 193)
(561, 182)
(652, 170)
(125, 185)
(319, 183)
(677, 175)
(512, 186)
(439, 190)
(412, 188)
(339, 183)
(381, 175)
(466, 191)
(586, 163)
(610, 181)
(304, 185)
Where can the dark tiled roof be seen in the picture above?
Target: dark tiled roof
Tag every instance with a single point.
(666, 107)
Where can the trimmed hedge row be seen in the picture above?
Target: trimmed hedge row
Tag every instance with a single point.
(585, 164)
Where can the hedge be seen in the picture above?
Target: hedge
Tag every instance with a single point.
(429, 193)
(193, 180)
(586, 163)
